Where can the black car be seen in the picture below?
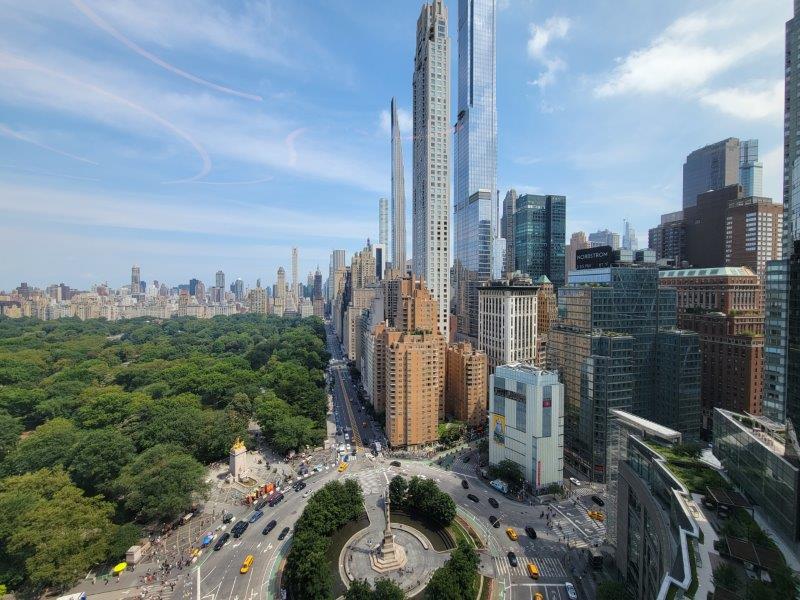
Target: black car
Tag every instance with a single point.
(512, 559)
(465, 459)
(221, 541)
(465, 484)
(494, 521)
(227, 517)
(531, 532)
(473, 497)
(299, 486)
(275, 499)
(282, 535)
(256, 516)
(261, 503)
(270, 526)
(598, 500)
(395, 463)
(493, 502)
(239, 528)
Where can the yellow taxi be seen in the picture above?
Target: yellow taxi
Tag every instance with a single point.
(512, 534)
(343, 466)
(538, 596)
(533, 571)
(597, 515)
(248, 562)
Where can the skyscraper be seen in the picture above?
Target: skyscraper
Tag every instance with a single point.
(475, 211)
(135, 279)
(398, 197)
(605, 238)
(431, 193)
(750, 169)
(337, 262)
(709, 168)
(629, 241)
(220, 279)
(383, 222)
(280, 293)
(539, 236)
(507, 228)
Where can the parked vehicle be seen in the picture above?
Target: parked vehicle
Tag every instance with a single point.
(256, 516)
(499, 485)
(299, 486)
(227, 517)
(276, 499)
(575, 482)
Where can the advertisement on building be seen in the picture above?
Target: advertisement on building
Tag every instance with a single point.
(499, 429)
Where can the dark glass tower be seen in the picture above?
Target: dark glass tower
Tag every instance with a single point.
(539, 236)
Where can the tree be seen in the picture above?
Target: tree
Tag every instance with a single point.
(397, 491)
(511, 473)
(611, 590)
(282, 426)
(96, 459)
(690, 450)
(450, 433)
(161, 482)
(457, 579)
(47, 446)
(425, 498)
(359, 590)
(725, 576)
(10, 430)
(387, 590)
(443, 586)
(51, 531)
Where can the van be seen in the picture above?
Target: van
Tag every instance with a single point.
(533, 571)
(248, 562)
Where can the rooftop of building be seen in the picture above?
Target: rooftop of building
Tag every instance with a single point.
(650, 428)
(527, 369)
(776, 437)
(707, 272)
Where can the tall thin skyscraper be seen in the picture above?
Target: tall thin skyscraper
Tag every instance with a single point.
(135, 280)
(431, 194)
(475, 214)
(507, 229)
(295, 281)
(337, 262)
(383, 222)
(629, 240)
(398, 197)
(750, 169)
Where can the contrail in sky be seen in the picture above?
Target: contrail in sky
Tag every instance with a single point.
(15, 134)
(105, 25)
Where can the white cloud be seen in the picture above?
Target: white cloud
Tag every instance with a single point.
(404, 119)
(761, 100)
(541, 37)
(695, 48)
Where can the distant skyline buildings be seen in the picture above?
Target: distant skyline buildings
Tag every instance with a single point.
(431, 157)
(398, 194)
(383, 221)
(751, 175)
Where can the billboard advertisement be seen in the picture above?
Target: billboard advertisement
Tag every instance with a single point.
(594, 258)
(499, 429)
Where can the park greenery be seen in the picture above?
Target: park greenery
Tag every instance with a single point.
(510, 472)
(105, 427)
(307, 574)
(451, 433)
(384, 589)
(458, 578)
(422, 498)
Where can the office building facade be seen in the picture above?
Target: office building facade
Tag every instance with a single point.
(539, 236)
(526, 422)
(776, 314)
(475, 216)
(753, 233)
(383, 222)
(751, 175)
(431, 156)
(507, 321)
(577, 241)
(711, 167)
(507, 229)
(605, 238)
(668, 239)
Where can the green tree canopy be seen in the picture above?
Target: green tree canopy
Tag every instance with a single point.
(48, 446)
(161, 482)
(96, 459)
(10, 429)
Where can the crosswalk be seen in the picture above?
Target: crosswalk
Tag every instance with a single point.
(583, 491)
(374, 481)
(548, 567)
(563, 528)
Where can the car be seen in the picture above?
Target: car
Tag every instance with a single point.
(269, 527)
(299, 486)
(493, 519)
(261, 503)
(221, 541)
(473, 497)
(598, 500)
(512, 534)
(282, 535)
(571, 593)
(597, 515)
(533, 570)
(227, 517)
(248, 562)
(276, 499)
(465, 459)
(531, 532)
(494, 503)
(256, 516)
(512, 559)
(395, 463)
(343, 466)
(465, 484)
(338, 432)
(575, 482)
(239, 528)
(347, 437)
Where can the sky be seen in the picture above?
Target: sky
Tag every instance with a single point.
(194, 135)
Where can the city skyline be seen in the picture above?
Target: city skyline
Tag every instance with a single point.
(247, 228)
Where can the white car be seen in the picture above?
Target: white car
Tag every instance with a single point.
(571, 593)
(575, 482)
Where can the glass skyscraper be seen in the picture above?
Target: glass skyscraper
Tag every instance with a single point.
(475, 214)
(539, 235)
